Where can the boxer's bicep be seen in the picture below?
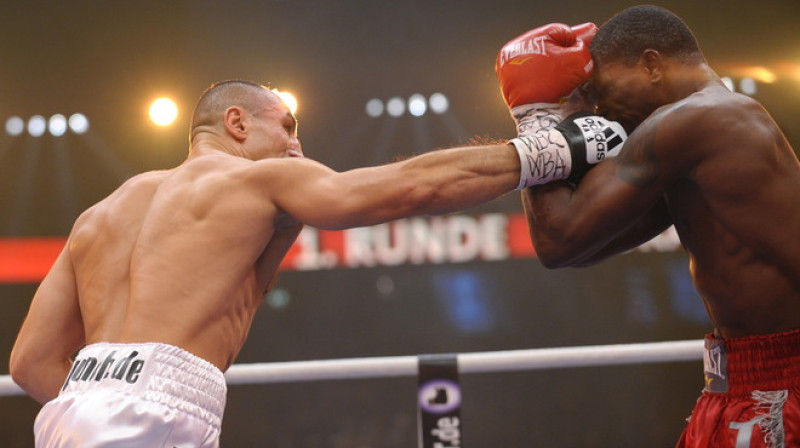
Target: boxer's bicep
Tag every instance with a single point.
(306, 190)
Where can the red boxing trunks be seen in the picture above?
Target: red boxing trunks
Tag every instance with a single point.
(135, 395)
(752, 394)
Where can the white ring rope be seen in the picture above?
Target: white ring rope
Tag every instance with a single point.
(478, 362)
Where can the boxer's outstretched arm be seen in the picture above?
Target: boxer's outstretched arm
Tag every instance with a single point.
(436, 182)
(50, 334)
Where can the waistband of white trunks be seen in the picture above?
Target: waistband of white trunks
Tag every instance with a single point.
(155, 372)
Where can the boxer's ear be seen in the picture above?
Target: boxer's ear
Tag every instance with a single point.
(653, 63)
(233, 119)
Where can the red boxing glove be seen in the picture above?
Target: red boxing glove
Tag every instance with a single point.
(545, 64)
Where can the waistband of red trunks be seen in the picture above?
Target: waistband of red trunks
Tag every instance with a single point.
(768, 362)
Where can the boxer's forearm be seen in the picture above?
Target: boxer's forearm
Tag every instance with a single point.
(645, 229)
(460, 178)
(436, 182)
(544, 213)
(568, 232)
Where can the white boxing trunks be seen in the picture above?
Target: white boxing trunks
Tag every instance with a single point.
(135, 395)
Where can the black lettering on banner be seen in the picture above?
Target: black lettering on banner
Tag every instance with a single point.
(439, 402)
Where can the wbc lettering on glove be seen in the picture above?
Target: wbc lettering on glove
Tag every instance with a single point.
(535, 71)
(568, 150)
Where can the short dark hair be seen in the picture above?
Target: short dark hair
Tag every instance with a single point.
(624, 37)
(222, 95)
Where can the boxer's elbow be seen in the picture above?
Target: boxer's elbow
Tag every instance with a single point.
(557, 249)
(558, 261)
(21, 371)
(36, 379)
(554, 258)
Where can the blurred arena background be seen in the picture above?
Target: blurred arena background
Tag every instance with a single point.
(374, 80)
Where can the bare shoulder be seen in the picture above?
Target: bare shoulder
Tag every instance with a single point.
(286, 172)
(146, 181)
(713, 114)
(704, 124)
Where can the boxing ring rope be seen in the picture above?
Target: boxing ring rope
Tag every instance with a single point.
(477, 362)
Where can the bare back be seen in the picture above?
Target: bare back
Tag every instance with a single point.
(181, 256)
(737, 212)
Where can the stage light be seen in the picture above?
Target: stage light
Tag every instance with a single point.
(78, 123)
(163, 111)
(374, 108)
(15, 126)
(748, 86)
(396, 106)
(289, 100)
(761, 74)
(278, 298)
(439, 103)
(37, 125)
(417, 105)
(57, 125)
(792, 71)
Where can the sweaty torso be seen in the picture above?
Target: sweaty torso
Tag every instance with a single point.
(181, 257)
(737, 212)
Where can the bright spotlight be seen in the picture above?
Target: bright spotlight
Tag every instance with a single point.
(396, 106)
(439, 103)
(761, 74)
(163, 111)
(794, 72)
(78, 123)
(417, 105)
(57, 125)
(748, 86)
(374, 107)
(15, 126)
(37, 125)
(289, 100)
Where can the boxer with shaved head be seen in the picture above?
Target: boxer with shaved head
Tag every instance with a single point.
(159, 282)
